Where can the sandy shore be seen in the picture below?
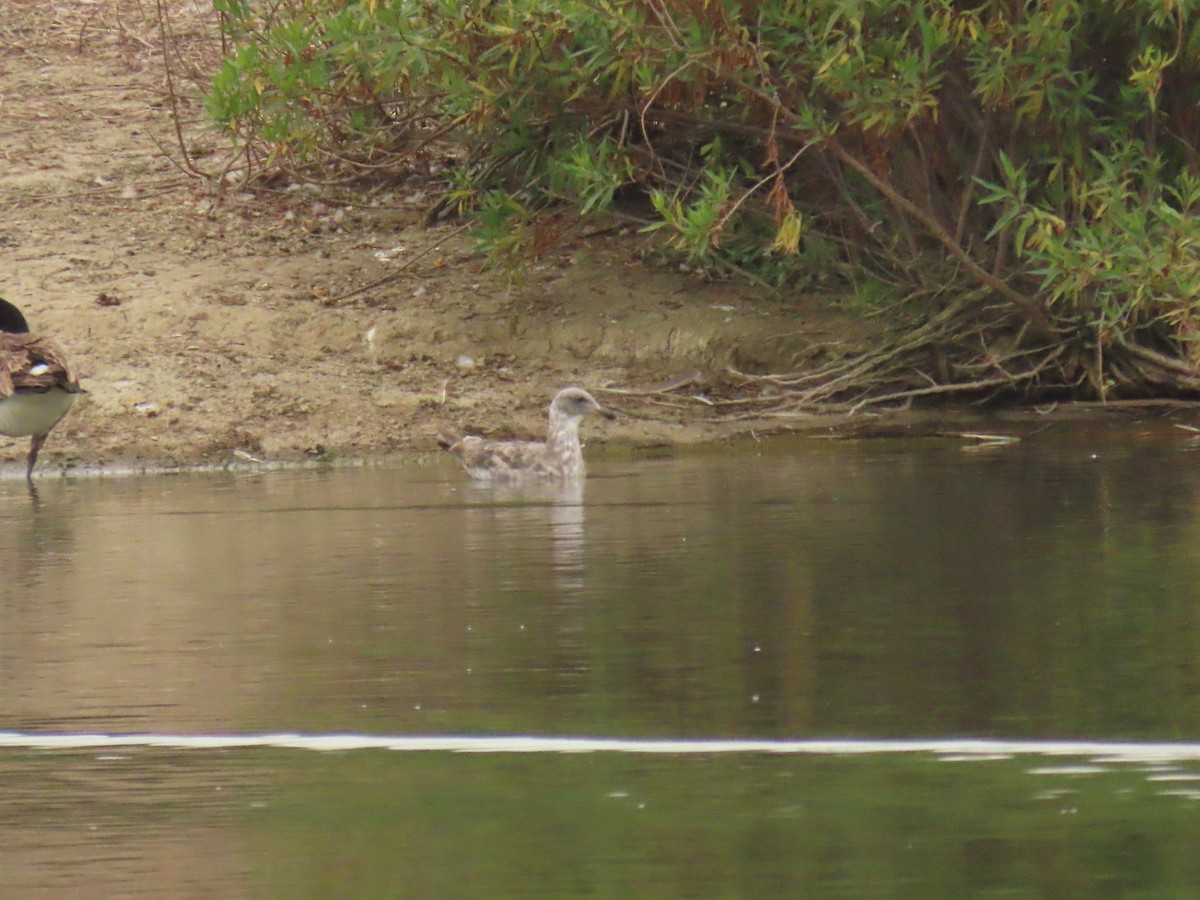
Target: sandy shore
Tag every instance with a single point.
(214, 325)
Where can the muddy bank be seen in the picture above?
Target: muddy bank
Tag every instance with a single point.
(305, 323)
(297, 323)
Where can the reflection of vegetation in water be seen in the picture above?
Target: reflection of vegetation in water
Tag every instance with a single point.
(1041, 600)
(128, 822)
(385, 824)
(876, 592)
(374, 824)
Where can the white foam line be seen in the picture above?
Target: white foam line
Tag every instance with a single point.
(961, 747)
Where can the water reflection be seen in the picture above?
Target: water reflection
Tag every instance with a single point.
(503, 509)
(785, 591)
(33, 538)
(1046, 589)
(123, 824)
(290, 823)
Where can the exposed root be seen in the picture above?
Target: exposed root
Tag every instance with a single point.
(970, 351)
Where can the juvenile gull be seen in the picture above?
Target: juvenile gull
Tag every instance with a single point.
(559, 457)
(37, 384)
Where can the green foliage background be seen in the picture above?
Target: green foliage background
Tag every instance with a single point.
(1026, 169)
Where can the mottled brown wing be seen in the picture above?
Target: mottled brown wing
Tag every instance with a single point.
(32, 363)
(15, 362)
(11, 360)
(35, 364)
(499, 456)
(517, 456)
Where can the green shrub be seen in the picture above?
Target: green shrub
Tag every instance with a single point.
(1039, 159)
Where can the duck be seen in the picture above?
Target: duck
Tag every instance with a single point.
(558, 458)
(37, 384)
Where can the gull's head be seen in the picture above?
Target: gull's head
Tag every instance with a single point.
(575, 403)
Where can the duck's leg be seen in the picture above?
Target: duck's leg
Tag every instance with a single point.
(34, 447)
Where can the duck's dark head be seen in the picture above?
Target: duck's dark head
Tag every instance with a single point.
(11, 319)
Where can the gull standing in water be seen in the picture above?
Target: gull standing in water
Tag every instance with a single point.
(37, 384)
(558, 458)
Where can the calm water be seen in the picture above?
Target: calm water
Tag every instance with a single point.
(1046, 590)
